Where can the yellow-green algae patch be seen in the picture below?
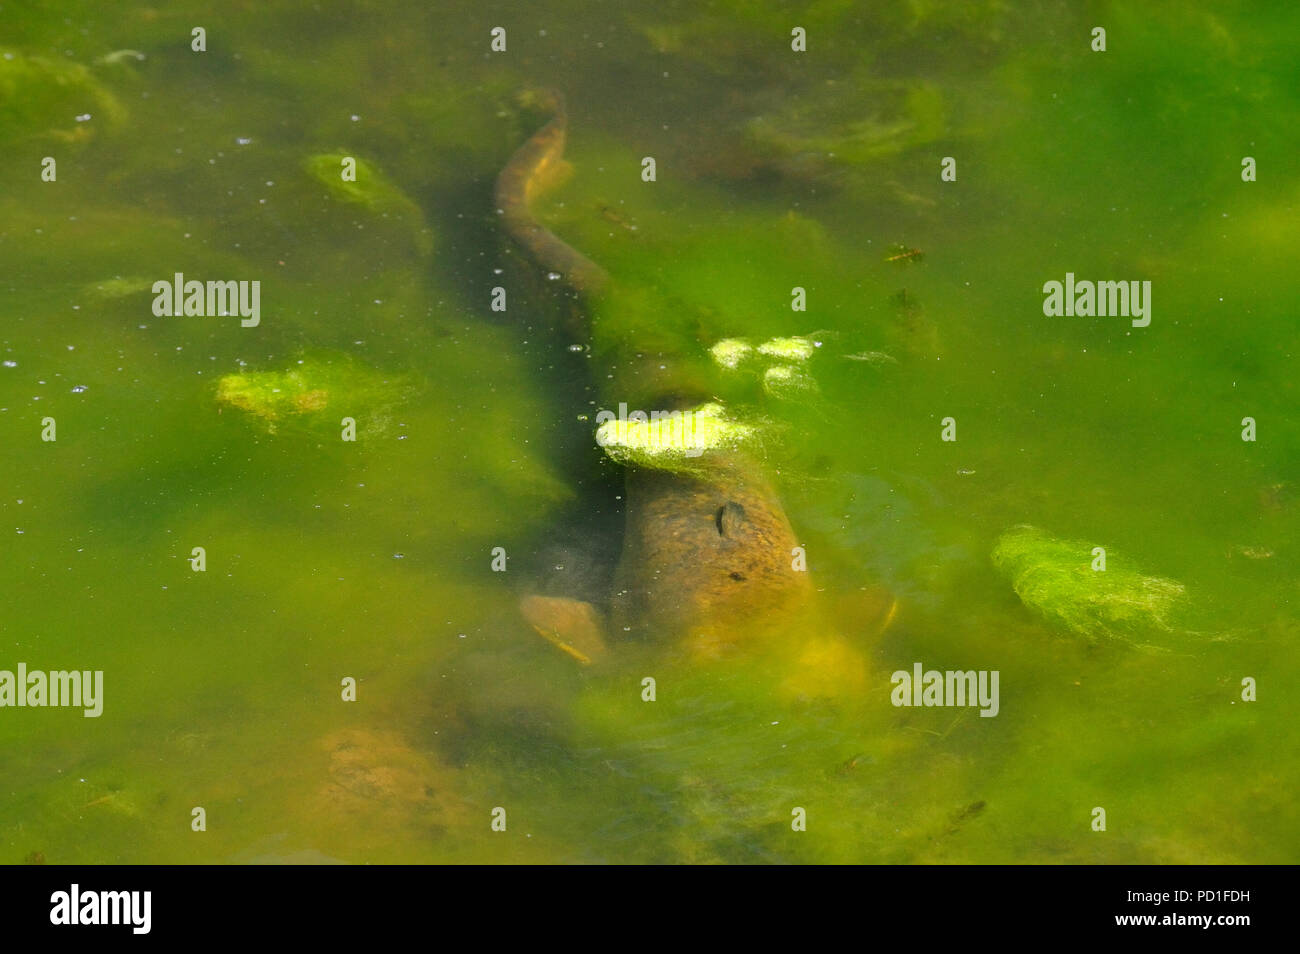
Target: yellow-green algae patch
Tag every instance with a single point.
(367, 186)
(113, 289)
(730, 352)
(326, 388)
(788, 349)
(370, 188)
(787, 381)
(671, 440)
(1055, 578)
(52, 99)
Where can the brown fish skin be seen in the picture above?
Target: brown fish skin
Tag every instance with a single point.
(518, 184)
(705, 557)
(571, 626)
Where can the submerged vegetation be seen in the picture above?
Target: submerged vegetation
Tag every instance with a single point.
(314, 386)
(399, 559)
(1061, 580)
(51, 100)
(356, 181)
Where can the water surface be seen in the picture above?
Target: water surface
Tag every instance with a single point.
(775, 169)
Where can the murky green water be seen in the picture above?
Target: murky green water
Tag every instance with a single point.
(372, 559)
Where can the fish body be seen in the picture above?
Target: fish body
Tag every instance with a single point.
(525, 174)
(705, 556)
(706, 553)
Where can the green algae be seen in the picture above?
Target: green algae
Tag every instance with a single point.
(788, 382)
(35, 92)
(355, 181)
(737, 36)
(1187, 791)
(689, 307)
(722, 757)
(118, 288)
(1055, 578)
(730, 352)
(371, 189)
(833, 131)
(648, 341)
(788, 349)
(671, 440)
(316, 390)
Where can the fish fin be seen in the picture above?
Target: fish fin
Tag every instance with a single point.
(574, 627)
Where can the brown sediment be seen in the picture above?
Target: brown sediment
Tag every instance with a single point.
(379, 774)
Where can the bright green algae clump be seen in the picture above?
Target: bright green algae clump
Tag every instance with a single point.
(784, 379)
(1055, 578)
(730, 352)
(671, 441)
(788, 349)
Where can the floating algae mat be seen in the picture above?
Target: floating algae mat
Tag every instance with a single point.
(1056, 578)
(672, 441)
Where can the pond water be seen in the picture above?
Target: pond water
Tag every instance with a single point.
(326, 559)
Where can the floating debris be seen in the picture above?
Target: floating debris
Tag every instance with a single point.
(1251, 553)
(905, 255)
(120, 56)
(874, 358)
